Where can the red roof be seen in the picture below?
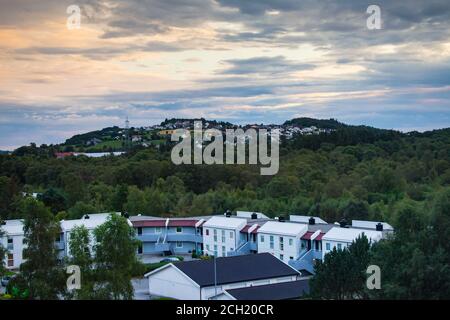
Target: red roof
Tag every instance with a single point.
(162, 223)
(149, 223)
(320, 236)
(307, 235)
(245, 229)
(182, 223)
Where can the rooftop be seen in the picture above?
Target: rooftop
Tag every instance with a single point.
(277, 291)
(305, 219)
(225, 222)
(350, 234)
(284, 228)
(371, 225)
(235, 269)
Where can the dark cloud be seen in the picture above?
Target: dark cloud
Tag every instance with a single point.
(264, 65)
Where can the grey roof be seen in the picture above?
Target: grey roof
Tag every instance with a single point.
(276, 291)
(236, 269)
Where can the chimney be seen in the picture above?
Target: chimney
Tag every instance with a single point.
(228, 213)
(125, 214)
(343, 223)
(312, 221)
(379, 226)
(281, 219)
(254, 215)
(86, 216)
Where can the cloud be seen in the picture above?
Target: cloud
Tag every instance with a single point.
(264, 65)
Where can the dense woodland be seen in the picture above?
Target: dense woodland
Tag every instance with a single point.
(352, 173)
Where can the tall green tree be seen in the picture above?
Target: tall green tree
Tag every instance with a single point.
(81, 256)
(342, 273)
(41, 270)
(115, 258)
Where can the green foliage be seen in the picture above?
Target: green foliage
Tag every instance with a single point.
(115, 258)
(41, 270)
(342, 273)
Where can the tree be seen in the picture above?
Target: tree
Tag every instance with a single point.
(41, 269)
(341, 275)
(2, 252)
(81, 256)
(115, 258)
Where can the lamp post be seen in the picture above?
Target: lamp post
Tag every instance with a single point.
(215, 271)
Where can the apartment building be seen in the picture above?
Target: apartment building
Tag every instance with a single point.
(222, 235)
(282, 239)
(168, 236)
(13, 241)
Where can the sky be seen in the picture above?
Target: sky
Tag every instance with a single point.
(243, 61)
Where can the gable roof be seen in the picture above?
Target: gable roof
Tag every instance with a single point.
(276, 291)
(225, 222)
(350, 234)
(236, 269)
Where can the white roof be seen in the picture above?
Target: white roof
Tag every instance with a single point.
(283, 228)
(248, 214)
(93, 222)
(13, 227)
(305, 219)
(226, 223)
(350, 234)
(371, 224)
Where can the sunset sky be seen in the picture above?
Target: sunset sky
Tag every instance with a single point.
(243, 61)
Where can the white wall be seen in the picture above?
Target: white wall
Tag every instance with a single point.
(169, 282)
(288, 250)
(17, 251)
(332, 244)
(232, 240)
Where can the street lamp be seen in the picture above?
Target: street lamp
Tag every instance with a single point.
(215, 271)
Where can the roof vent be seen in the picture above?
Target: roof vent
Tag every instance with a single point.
(281, 219)
(343, 223)
(228, 213)
(312, 221)
(254, 215)
(379, 226)
(3, 223)
(86, 216)
(125, 214)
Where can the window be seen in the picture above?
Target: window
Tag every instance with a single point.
(10, 244)
(328, 246)
(223, 235)
(207, 232)
(281, 244)
(339, 246)
(215, 235)
(223, 250)
(291, 258)
(207, 248)
(158, 230)
(271, 242)
(140, 250)
(10, 260)
(231, 235)
(139, 231)
(179, 229)
(291, 242)
(261, 239)
(281, 257)
(215, 250)
(179, 244)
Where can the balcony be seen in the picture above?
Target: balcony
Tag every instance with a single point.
(159, 246)
(306, 260)
(148, 237)
(173, 237)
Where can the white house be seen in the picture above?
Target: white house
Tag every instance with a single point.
(341, 238)
(379, 226)
(221, 235)
(204, 279)
(282, 239)
(12, 241)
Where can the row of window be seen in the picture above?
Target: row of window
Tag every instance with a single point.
(328, 246)
(215, 252)
(158, 230)
(222, 234)
(280, 242)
